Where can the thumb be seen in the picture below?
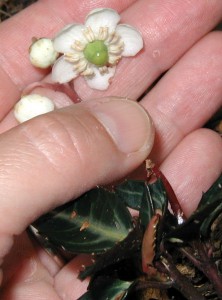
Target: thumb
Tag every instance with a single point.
(57, 156)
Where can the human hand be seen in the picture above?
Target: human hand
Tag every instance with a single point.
(55, 157)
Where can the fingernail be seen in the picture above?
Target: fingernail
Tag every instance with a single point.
(127, 123)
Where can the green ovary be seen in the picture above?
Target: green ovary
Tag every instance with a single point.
(96, 53)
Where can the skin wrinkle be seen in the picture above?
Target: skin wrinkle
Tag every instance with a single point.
(100, 129)
(72, 140)
(87, 127)
(160, 19)
(17, 164)
(59, 143)
(174, 124)
(7, 73)
(13, 159)
(41, 151)
(12, 93)
(189, 17)
(69, 144)
(6, 69)
(7, 165)
(164, 138)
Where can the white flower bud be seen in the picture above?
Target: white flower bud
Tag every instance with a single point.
(31, 106)
(42, 53)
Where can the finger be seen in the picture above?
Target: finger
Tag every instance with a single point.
(187, 96)
(193, 166)
(24, 274)
(67, 283)
(58, 156)
(169, 29)
(184, 99)
(42, 19)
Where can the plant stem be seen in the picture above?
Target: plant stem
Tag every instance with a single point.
(190, 256)
(174, 203)
(205, 264)
(208, 267)
(181, 283)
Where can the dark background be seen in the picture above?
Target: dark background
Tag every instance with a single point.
(11, 7)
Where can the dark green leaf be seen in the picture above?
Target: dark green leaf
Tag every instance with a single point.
(92, 223)
(200, 221)
(216, 119)
(154, 198)
(131, 193)
(108, 289)
(121, 251)
(86, 296)
(214, 194)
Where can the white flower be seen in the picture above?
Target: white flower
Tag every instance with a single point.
(30, 106)
(93, 50)
(42, 53)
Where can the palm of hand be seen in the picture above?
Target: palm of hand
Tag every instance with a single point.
(176, 37)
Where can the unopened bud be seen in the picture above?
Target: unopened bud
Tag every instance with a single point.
(42, 53)
(31, 106)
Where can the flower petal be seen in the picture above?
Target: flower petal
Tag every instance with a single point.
(98, 81)
(133, 41)
(64, 40)
(102, 17)
(63, 71)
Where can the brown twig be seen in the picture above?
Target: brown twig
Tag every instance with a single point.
(181, 283)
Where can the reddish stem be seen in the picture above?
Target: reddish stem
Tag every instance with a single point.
(208, 267)
(152, 169)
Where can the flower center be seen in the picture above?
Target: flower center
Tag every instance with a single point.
(96, 52)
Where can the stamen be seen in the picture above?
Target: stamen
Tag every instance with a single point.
(116, 49)
(114, 59)
(110, 37)
(89, 34)
(81, 66)
(103, 32)
(78, 46)
(72, 57)
(88, 72)
(113, 38)
(103, 70)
